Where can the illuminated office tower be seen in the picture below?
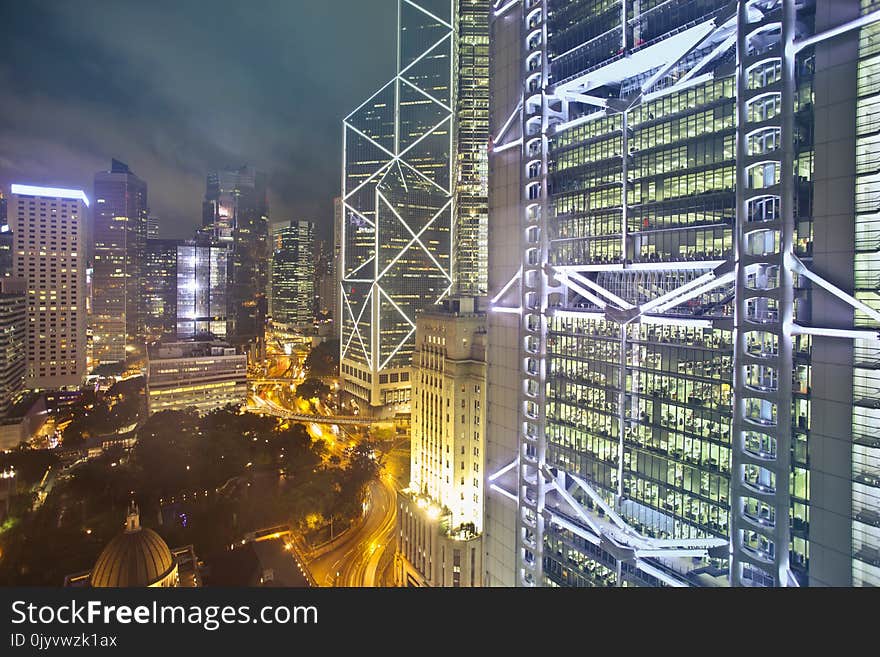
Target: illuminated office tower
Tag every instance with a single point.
(119, 235)
(324, 284)
(13, 340)
(683, 336)
(202, 288)
(47, 225)
(336, 263)
(5, 241)
(152, 227)
(440, 514)
(293, 275)
(411, 174)
(160, 287)
(236, 212)
(471, 175)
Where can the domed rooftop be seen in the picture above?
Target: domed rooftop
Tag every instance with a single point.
(137, 557)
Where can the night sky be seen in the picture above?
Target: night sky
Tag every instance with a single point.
(177, 87)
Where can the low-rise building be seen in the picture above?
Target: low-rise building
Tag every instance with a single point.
(23, 420)
(201, 374)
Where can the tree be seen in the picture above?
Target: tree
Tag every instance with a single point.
(311, 388)
(323, 360)
(29, 464)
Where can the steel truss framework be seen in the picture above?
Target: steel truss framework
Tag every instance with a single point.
(762, 273)
(398, 155)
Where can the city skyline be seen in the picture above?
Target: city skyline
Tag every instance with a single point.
(206, 99)
(597, 304)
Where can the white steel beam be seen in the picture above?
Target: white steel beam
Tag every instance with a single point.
(855, 24)
(847, 334)
(799, 267)
(571, 285)
(598, 288)
(729, 277)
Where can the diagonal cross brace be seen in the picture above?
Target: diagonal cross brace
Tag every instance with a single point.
(796, 265)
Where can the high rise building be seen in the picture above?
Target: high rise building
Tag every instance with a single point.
(683, 274)
(5, 241)
(47, 225)
(411, 161)
(236, 211)
(440, 514)
(293, 275)
(336, 263)
(160, 287)
(324, 283)
(152, 227)
(119, 235)
(202, 287)
(471, 174)
(13, 340)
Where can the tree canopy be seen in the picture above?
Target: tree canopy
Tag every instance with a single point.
(311, 388)
(323, 360)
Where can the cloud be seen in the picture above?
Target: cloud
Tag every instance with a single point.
(178, 88)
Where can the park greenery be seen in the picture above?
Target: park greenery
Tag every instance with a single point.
(323, 360)
(204, 481)
(93, 415)
(312, 388)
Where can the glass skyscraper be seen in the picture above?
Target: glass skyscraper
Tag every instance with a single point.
(683, 336)
(293, 275)
(160, 287)
(119, 236)
(411, 159)
(202, 302)
(236, 212)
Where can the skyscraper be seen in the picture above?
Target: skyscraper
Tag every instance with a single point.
(160, 287)
(5, 241)
(336, 262)
(411, 160)
(13, 340)
(324, 283)
(440, 514)
(293, 275)
(47, 225)
(236, 211)
(683, 277)
(202, 287)
(152, 227)
(471, 174)
(119, 234)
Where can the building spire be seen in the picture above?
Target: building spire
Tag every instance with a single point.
(133, 519)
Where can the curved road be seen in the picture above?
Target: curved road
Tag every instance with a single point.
(355, 560)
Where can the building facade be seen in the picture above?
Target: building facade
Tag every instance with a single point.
(471, 175)
(440, 514)
(152, 227)
(336, 263)
(293, 275)
(5, 241)
(682, 334)
(160, 287)
(13, 340)
(325, 287)
(119, 238)
(236, 212)
(204, 375)
(411, 160)
(201, 286)
(47, 225)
